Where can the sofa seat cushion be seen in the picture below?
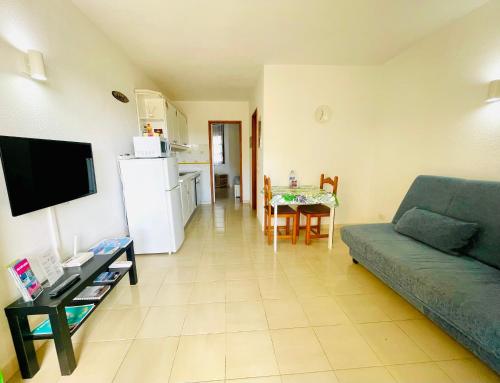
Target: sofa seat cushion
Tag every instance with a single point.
(462, 290)
(354, 235)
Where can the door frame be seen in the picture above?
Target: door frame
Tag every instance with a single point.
(254, 159)
(212, 188)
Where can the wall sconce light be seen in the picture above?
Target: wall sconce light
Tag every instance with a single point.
(36, 67)
(494, 91)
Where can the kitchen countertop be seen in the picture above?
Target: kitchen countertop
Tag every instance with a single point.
(188, 175)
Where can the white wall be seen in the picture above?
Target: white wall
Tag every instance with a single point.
(231, 165)
(200, 112)
(422, 112)
(83, 67)
(432, 114)
(343, 146)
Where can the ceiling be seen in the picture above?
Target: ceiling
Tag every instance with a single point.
(215, 49)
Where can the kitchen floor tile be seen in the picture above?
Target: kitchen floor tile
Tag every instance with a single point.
(345, 347)
(285, 314)
(434, 341)
(207, 318)
(199, 358)
(419, 372)
(366, 375)
(245, 316)
(324, 311)
(316, 377)
(391, 344)
(242, 290)
(298, 350)
(155, 368)
(163, 321)
(468, 370)
(250, 354)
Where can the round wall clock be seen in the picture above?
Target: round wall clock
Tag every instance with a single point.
(323, 113)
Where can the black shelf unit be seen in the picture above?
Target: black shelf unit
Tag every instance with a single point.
(122, 272)
(18, 312)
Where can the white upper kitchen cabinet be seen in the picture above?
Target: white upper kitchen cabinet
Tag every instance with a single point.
(183, 128)
(150, 105)
(172, 123)
(162, 115)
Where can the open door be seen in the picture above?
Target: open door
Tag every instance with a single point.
(254, 160)
(211, 126)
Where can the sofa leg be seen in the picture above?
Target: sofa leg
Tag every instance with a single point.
(354, 261)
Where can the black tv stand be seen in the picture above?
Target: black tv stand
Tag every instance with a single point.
(18, 312)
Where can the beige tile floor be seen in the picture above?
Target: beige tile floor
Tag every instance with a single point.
(226, 309)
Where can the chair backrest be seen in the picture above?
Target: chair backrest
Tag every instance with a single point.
(267, 190)
(327, 180)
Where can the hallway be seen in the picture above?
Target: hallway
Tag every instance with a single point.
(226, 307)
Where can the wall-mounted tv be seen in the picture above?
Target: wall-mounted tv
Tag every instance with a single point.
(42, 173)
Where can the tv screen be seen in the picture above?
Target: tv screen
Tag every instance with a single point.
(42, 173)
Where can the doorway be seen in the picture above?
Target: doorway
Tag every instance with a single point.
(224, 139)
(254, 160)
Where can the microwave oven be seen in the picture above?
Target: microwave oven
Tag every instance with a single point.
(151, 147)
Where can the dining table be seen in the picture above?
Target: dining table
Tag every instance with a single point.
(303, 195)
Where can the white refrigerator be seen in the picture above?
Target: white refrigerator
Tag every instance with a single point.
(153, 204)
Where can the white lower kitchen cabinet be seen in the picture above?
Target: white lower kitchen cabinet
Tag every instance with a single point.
(192, 195)
(203, 187)
(185, 202)
(188, 194)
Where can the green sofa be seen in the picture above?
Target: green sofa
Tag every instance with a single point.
(459, 293)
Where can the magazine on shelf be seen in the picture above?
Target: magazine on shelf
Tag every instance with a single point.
(107, 277)
(25, 279)
(74, 314)
(92, 293)
(110, 245)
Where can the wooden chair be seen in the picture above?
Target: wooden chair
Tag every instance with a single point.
(317, 211)
(284, 211)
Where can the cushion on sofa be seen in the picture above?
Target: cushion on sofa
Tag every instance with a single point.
(439, 231)
(466, 200)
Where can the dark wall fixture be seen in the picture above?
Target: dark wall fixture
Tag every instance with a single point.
(119, 96)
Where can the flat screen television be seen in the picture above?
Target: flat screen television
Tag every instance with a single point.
(42, 173)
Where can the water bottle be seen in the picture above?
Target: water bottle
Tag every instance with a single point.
(292, 180)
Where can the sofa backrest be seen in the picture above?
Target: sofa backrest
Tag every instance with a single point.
(467, 200)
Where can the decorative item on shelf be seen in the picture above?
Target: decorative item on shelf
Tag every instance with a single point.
(323, 113)
(25, 279)
(51, 265)
(36, 66)
(148, 130)
(494, 91)
(292, 180)
(120, 96)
